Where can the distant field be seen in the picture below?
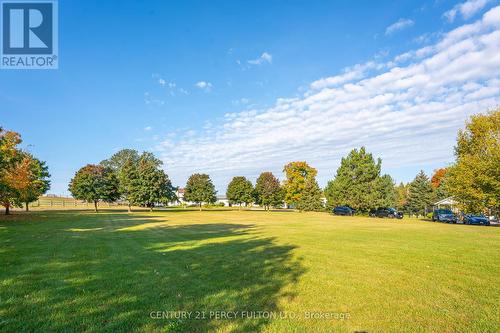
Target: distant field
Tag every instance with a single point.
(113, 271)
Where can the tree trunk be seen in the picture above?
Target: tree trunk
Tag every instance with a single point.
(200, 206)
(95, 205)
(151, 208)
(129, 209)
(27, 209)
(7, 209)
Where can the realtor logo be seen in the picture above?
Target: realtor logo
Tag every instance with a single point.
(29, 35)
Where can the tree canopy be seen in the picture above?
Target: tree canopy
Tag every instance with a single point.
(474, 178)
(310, 200)
(120, 159)
(268, 191)
(420, 195)
(298, 174)
(9, 156)
(439, 183)
(94, 183)
(146, 184)
(240, 191)
(200, 189)
(358, 183)
(23, 178)
(30, 178)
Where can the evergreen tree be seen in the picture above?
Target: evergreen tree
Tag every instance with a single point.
(199, 189)
(358, 183)
(268, 191)
(420, 195)
(384, 192)
(240, 190)
(310, 200)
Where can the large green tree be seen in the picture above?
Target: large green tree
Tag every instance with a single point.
(358, 183)
(94, 183)
(384, 192)
(474, 178)
(147, 184)
(125, 163)
(420, 195)
(120, 159)
(310, 200)
(298, 175)
(268, 191)
(240, 191)
(200, 189)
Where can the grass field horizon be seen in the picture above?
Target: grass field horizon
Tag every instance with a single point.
(113, 271)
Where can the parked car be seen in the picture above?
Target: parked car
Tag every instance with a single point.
(343, 210)
(476, 219)
(444, 215)
(386, 212)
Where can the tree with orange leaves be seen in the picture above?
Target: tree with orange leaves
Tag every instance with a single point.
(301, 188)
(9, 156)
(30, 178)
(438, 177)
(23, 178)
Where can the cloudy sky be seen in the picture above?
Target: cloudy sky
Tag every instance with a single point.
(231, 89)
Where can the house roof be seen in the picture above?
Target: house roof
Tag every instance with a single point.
(446, 201)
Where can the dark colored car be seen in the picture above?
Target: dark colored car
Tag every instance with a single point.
(444, 215)
(386, 212)
(476, 219)
(343, 210)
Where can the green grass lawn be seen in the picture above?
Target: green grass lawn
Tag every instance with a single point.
(113, 271)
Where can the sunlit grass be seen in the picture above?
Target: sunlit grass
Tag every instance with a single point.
(79, 271)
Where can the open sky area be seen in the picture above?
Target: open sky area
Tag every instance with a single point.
(239, 87)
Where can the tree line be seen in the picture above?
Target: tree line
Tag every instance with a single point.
(139, 179)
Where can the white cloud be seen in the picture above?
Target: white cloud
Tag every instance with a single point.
(149, 100)
(407, 114)
(466, 9)
(148, 128)
(264, 58)
(241, 101)
(399, 25)
(203, 85)
(350, 73)
(161, 82)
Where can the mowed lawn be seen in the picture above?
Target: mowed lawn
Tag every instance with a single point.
(113, 271)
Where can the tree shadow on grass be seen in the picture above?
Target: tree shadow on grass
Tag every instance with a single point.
(122, 280)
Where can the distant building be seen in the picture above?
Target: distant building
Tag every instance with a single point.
(447, 203)
(222, 199)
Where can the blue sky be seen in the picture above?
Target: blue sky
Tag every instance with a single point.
(235, 88)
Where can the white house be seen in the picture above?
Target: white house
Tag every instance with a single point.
(447, 203)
